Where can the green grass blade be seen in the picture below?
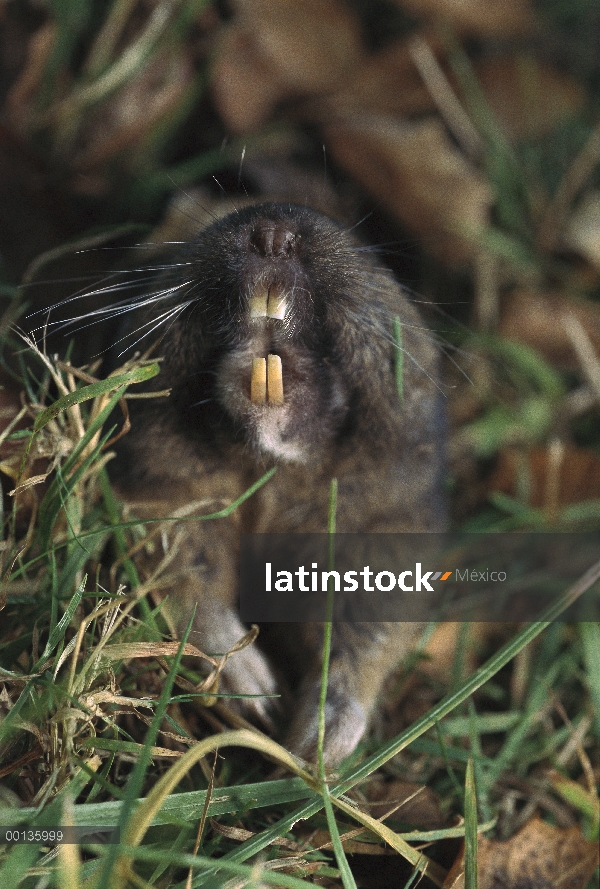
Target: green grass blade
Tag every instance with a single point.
(338, 849)
(85, 393)
(470, 828)
(184, 807)
(59, 630)
(590, 638)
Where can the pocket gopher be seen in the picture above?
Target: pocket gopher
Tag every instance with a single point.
(278, 346)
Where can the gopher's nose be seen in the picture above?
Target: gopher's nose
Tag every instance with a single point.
(270, 238)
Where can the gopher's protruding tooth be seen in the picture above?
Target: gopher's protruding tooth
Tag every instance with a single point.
(274, 379)
(258, 383)
(277, 305)
(258, 304)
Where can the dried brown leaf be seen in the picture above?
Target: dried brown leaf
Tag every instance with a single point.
(275, 49)
(416, 173)
(539, 856)
(387, 82)
(321, 839)
(238, 834)
(128, 650)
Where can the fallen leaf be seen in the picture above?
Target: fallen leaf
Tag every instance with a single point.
(89, 132)
(275, 49)
(416, 172)
(539, 856)
(386, 82)
(321, 839)
(244, 87)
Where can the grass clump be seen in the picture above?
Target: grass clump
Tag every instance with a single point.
(89, 738)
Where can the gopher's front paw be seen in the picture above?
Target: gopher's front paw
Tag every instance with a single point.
(248, 673)
(345, 724)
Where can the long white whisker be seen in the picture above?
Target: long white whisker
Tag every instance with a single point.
(461, 370)
(101, 290)
(146, 245)
(105, 313)
(360, 222)
(156, 323)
